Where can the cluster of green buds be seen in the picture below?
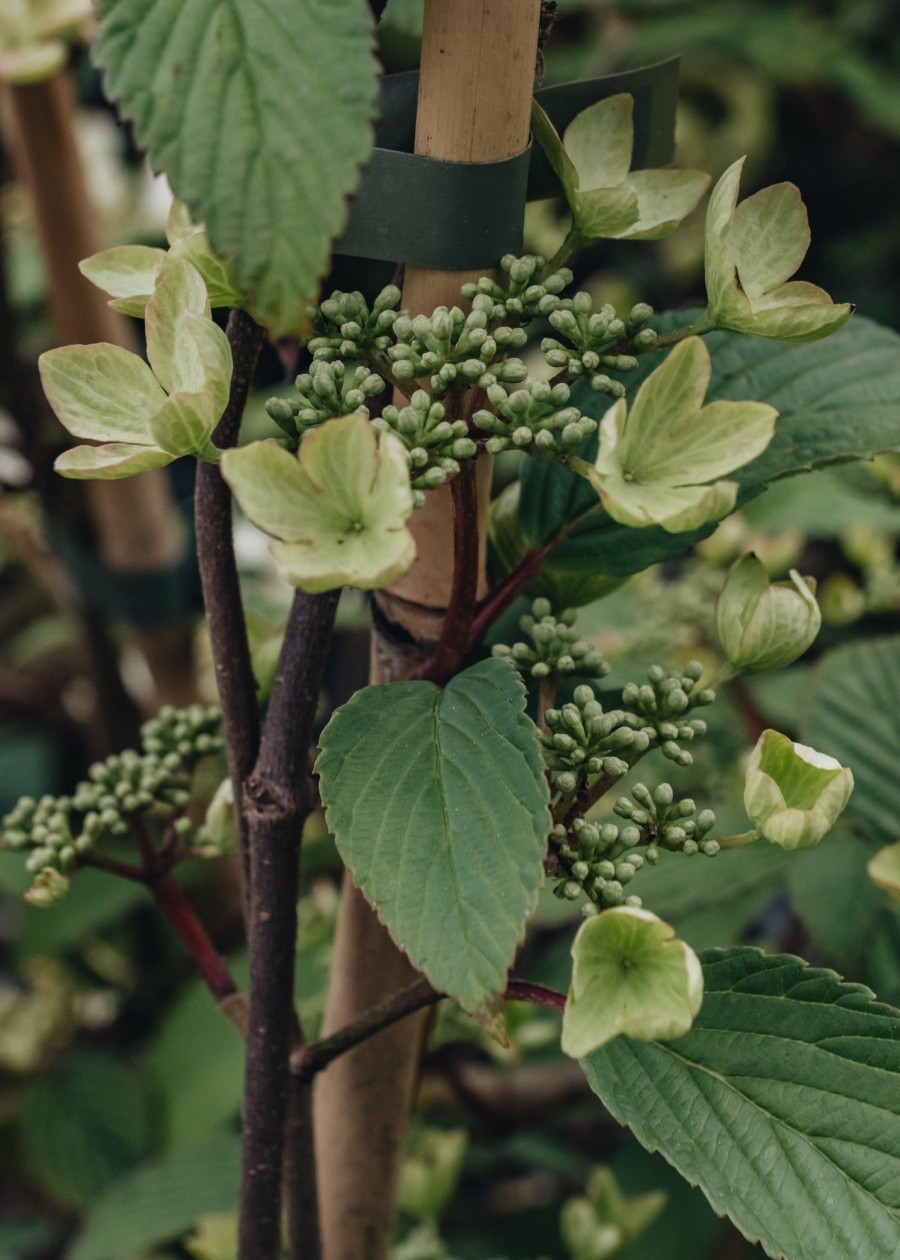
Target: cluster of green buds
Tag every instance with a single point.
(527, 294)
(59, 830)
(538, 419)
(663, 703)
(434, 444)
(554, 650)
(191, 733)
(583, 742)
(600, 859)
(595, 339)
(452, 347)
(667, 823)
(325, 391)
(348, 328)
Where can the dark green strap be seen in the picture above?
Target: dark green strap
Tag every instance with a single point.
(147, 600)
(458, 215)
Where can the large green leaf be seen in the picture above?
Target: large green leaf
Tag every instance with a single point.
(837, 399)
(259, 113)
(782, 1103)
(439, 806)
(85, 1125)
(161, 1201)
(854, 716)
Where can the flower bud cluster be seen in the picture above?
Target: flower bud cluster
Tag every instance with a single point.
(601, 859)
(583, 742)
(537, 418)
(554, 650)
(598, 861)
(452, 347)
(192, 732)
(434, 444)
(58, 830)
(347, 328)
(526, 295)
(325, 391)
(663, 704)
(664, 822)
(594, 339)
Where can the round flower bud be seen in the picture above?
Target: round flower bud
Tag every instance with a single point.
(793, 794)
(763, 624)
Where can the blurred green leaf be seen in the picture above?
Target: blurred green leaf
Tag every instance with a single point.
(161, 1201)
(854, 715)
(85, 1125)
(197, 1059)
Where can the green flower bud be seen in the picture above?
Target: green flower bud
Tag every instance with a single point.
(763, 625)
(793, 794)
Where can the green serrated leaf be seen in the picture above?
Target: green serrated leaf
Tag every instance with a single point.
(780, 1103)
(259, 113)
(854, 715)
(837, 400)
(439, 806)
(161, 1201)
(85, 1125)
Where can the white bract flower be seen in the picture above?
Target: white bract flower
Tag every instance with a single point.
(607, 198)
(339, 506)
(632, 976)
(752, 250)
(144, 417)
(793, 794)
(30, 45)
(129, 273)
(657, 460)
(763, 624)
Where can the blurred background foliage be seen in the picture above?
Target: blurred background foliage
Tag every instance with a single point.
(119, 1081)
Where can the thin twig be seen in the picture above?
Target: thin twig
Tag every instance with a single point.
(219, 575)
(309, 1060)
(277, 799)
(457, 625)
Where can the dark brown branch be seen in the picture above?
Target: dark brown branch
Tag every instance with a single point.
(457, 625)
(219, 575)
(307, 1061)
(276, 801)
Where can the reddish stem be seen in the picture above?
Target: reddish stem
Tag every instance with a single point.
(180, 913)
(536, 994)
(752, 716)
(456, 630)
(503, 595)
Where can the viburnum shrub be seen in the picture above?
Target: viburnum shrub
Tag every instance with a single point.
(502, 760)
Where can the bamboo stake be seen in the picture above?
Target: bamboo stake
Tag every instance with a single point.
(477, 77)
(134, 521)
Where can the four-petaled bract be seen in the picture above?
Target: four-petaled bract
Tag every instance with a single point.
(31, 47)
(657, 460)
(339, 506)
(752, 250)
(793, 794)
(763, 624)
(630, 975)
(128, 273)
(144, 417)
(607, 198)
